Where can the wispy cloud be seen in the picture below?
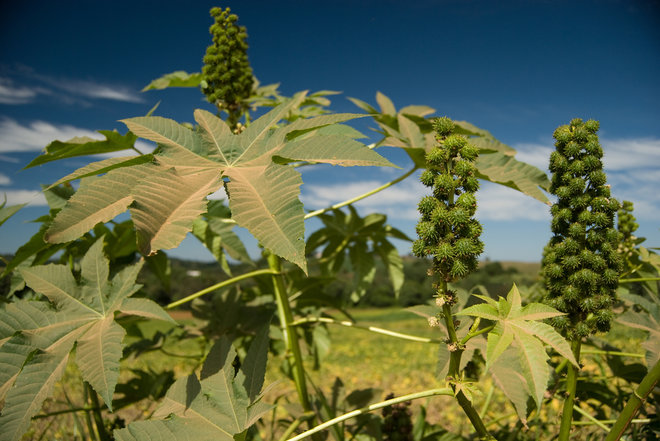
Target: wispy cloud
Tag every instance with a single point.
(91, 89)
(632, 166)
(495, 202)
(15, 137)
(4, 179)
(12, 94)
(31, 197)
(15, 91)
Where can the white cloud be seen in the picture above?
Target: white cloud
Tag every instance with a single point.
(15, 137)
(632, 166)
(494, 202)
(95, 90)
(218, 195)
(626, 154)
(619, 154)
(4, 179)
(11, 94)
(30, 197)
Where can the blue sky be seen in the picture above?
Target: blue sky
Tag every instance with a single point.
(516, 68)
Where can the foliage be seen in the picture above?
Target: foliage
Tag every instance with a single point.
(37, 336)
(81, 301)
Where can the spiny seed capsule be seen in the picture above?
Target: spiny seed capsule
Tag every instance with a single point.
(227, 73)
(450, 168)
(580, 265)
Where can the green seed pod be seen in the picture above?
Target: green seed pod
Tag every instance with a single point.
(580, 267)
(226, 71)
(456, 245)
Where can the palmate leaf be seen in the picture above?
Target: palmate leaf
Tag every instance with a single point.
(83, 146)
(496, 162)
(218, 405)
(165, 196)
(520, 325)
(36, 337)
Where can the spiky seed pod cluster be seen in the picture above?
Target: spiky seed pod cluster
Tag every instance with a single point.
(581, 265)
(397, 421)
(447, 229)
(226, 71)
(627, 225)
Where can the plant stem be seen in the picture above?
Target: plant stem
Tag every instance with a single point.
(376, 406)
(614, 353)
(366, 328)
(362, 196)
(571, 386)
(590, 418)
(65, 411)
(641, 279)
(219, 285)
(96, 411)
(455, 353)
(289, 331)
(639, 396)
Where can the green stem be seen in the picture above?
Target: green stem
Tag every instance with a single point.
(289, 331)
(362, 196)
(590, 418)
(366, 328)
(641, 279)
(590, 423)
(639, 396)
(297, 422)
(217, 286)
(372, 407)
(65, 411)
(455, 353)
(96, 412)
(571, 386)
(489, 397)
(614, 353)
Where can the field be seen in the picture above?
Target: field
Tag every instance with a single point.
(369, 364)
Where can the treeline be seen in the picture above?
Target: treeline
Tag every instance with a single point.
(185, 277)
(188, 277)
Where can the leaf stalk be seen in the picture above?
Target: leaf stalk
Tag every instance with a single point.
(217, 286)
(372, 407)
(374, 329)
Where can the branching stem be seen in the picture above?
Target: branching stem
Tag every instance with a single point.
(290, 335)
(375, 329)
(372, 407)
(217, 286)
(362, 196)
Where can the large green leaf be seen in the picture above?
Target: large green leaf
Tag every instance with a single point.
(8, 211)
(407, 129)
(166, 204)
(177, 78)
(36, 337)
(218, 405)
(99, 199)
(83, 146)
(519, 325)
(166, 196)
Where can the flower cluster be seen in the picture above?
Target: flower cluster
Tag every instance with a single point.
(227, 73)
(581, 265)
(447, 229)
